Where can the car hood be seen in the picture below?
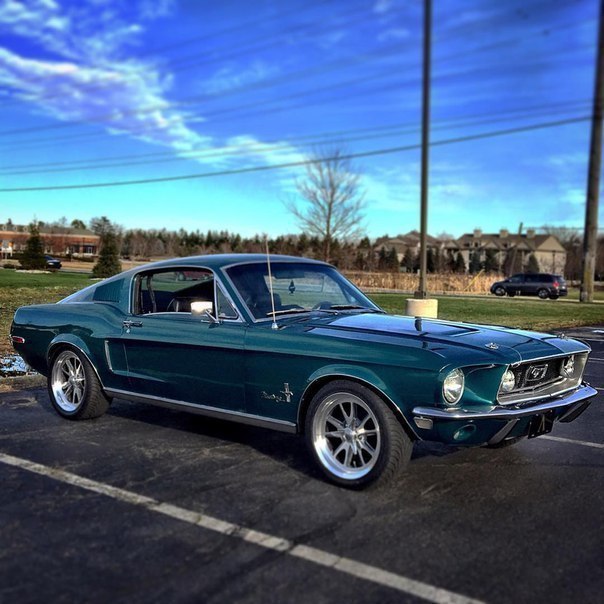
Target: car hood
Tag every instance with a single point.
(449, 339)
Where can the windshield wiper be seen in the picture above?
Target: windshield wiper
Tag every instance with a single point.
(286, 311)
(353, 307)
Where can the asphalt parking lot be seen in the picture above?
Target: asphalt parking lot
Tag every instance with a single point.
(151, 505)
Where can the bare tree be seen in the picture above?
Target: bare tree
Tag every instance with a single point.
(333, 200)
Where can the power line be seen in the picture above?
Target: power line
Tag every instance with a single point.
(261, 148)
(266, 106)
(556, 107)
(248, 170)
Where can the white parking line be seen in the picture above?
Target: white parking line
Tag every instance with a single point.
(311, 554)
(574, 442)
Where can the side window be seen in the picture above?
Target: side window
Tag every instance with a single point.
(516, 279)
(172, 290)
(225, 308)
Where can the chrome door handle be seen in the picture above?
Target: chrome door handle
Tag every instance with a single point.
(129, 324)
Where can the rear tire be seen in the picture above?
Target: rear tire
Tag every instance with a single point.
(74, 388)
(353, 436)
(543, 294)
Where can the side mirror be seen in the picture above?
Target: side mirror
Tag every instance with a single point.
(203, 308)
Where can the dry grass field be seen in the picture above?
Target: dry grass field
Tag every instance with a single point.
(437, 284)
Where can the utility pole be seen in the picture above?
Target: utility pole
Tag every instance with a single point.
(590, 235)
(421, 293)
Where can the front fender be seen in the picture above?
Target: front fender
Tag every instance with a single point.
(356, 373)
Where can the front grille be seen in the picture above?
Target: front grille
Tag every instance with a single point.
(536, 375)
(543, 378)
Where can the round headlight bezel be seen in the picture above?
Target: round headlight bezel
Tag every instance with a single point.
(507, 386)
(453, 387)
(568, 367)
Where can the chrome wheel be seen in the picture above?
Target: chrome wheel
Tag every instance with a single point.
(346, 435)
(68, 381)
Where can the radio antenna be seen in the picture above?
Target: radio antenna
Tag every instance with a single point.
(270, 285)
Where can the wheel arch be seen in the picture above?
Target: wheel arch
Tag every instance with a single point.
(318, 381)
(69, 341)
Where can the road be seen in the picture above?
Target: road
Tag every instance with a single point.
(151, 505)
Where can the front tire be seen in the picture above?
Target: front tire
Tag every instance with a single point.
(354, 438)
(499, 291)
(73, 387)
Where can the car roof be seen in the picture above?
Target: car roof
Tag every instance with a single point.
(215, 261)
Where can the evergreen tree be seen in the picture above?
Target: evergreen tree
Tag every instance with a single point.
(490, 261)
(450, 261)
(33, 256)
(408, 261)
(475, 264)
(108, 263)
(532, 266)
(460, 265)
(430, 261)
(392, 261)
(382, 260)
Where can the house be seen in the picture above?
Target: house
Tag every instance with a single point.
(58, 240)
(548, 251)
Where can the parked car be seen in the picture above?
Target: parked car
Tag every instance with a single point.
(52, 262)
(544, 285)
(292, 345)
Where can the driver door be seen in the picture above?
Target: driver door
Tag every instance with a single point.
(174, 354)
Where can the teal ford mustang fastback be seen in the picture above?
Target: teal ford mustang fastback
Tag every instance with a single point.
(290, 344)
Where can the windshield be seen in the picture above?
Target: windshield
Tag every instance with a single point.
(297, 288)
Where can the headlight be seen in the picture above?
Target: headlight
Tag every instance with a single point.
(508, 381)
(453, 387)
(568, 367)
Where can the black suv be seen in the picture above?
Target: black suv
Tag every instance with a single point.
(544, 285)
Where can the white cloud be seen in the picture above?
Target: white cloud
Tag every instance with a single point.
(394, 34)
(76, 93)
(383, 6)
(227, 78)
(91, 78)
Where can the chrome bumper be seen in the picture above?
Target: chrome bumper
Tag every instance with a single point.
(564, 408)
(572, 400)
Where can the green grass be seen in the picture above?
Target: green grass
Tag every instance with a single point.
(19, 289)
(526, 313)
(573, 294)
(10, 278)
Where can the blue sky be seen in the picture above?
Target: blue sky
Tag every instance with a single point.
(101, 91)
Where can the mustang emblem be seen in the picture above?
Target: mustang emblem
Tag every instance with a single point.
(492, 346)
(536, 372)
(286, 392)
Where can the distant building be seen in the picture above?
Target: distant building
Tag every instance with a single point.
(58, 240)
(548, 251)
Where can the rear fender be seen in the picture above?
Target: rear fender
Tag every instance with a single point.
(69, 340)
